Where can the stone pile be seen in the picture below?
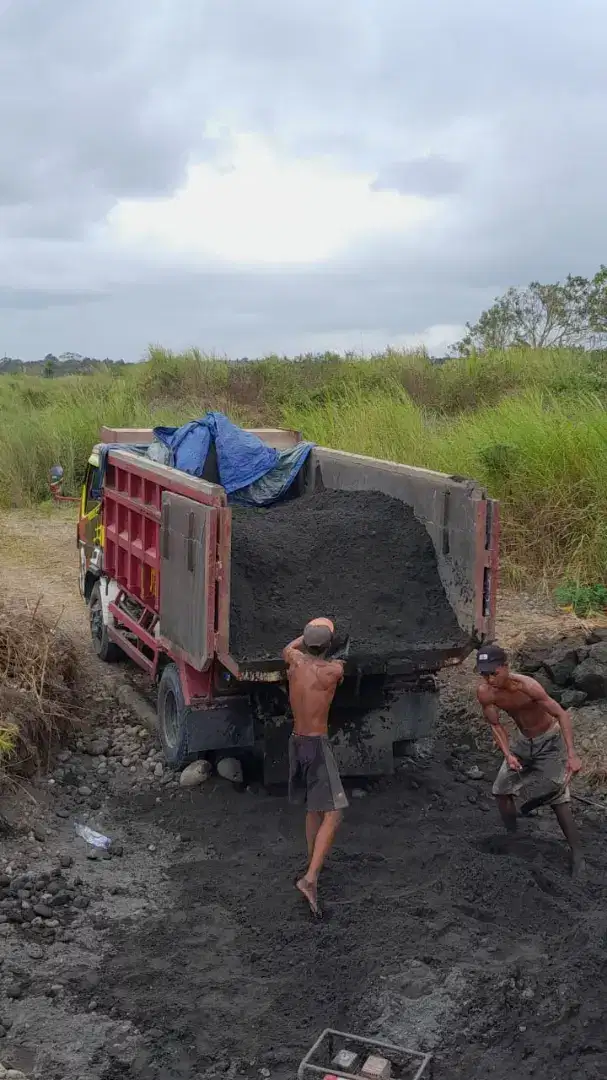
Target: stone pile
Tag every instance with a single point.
(42, 904)
(573, 673)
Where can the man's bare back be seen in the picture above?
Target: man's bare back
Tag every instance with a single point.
(312, 685)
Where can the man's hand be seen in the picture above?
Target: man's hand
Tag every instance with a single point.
(513, 763)
(573, 766)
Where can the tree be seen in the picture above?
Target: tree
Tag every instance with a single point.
(48, 368)
(537, 317)
(598, 302)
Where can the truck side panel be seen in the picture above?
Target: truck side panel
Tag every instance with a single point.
(188, 547)
(132, 517)
(462, 522)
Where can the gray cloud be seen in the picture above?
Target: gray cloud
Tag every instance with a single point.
(429, 176)
(498, 110)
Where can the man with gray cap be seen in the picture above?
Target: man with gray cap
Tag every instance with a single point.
(314, 779)
(543, 747)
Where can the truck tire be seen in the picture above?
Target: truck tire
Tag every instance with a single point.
(172, 718)
(106, 650)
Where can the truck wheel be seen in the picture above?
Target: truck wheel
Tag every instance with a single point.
(106, 650)
(172, 718)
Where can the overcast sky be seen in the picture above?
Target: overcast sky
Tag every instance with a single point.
(291, 175)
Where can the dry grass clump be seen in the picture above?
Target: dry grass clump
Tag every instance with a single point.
(38, 695)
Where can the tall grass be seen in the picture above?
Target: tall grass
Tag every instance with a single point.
(531, 425)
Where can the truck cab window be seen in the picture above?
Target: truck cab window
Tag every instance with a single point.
(93, 488)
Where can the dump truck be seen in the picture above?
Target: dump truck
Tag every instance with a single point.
(186, 585)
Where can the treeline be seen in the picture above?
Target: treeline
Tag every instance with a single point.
(51, 366)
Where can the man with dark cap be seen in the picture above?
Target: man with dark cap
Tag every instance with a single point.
(543, 747)
(314, 779)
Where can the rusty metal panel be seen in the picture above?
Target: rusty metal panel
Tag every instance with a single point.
(188, 540)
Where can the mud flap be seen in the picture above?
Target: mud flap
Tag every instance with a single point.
(222, 727)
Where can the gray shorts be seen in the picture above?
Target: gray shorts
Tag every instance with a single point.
(314, 780)
(544, 758)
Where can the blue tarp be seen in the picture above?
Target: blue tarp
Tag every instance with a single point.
(241, 457)
(252, 473)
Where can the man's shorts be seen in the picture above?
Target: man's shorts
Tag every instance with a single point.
(314, 780)
(544, 758)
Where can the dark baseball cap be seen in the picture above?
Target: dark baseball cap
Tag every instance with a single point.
(489, 658)
(317, 635)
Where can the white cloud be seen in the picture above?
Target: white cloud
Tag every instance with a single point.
(263, 208)
(203, 173)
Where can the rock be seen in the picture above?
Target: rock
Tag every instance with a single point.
(61, 899)
(39, 833)
(474, 773)
(84, 791)
(14, 991)
(551, 688)
(598, 652)
(35, 952)
(43, 910)
(61, 812)
(116, 848)
(358, 793)
(598, 633)
(99, 747)
(230, 769)
(572, 699)
(560, 665)
(195, 774)
(591, 678)
(65, 861)
(158, 770)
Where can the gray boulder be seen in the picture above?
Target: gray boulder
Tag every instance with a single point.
(195, 774)
(551, 688)
(230, 769)
(591, 678)
(572, 699)
(560, 665)
(598, 652)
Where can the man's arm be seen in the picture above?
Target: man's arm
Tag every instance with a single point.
(293, 651)
(338, 668)
(499, 732)
(537, 693)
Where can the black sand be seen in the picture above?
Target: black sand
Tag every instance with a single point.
(360, 558)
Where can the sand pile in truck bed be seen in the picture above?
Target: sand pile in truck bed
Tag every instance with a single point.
(360, 557)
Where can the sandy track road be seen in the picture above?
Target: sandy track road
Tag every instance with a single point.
(188, 953)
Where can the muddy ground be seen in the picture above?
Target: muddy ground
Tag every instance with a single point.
(191, 955)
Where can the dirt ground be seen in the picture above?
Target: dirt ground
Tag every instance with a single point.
(191, 955)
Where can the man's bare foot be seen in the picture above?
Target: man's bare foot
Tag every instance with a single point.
(309, 891)
(577, 865)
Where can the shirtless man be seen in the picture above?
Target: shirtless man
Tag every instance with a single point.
(543, 746)
(313, 777)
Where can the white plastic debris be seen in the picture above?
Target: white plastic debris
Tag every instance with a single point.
(95, 839)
